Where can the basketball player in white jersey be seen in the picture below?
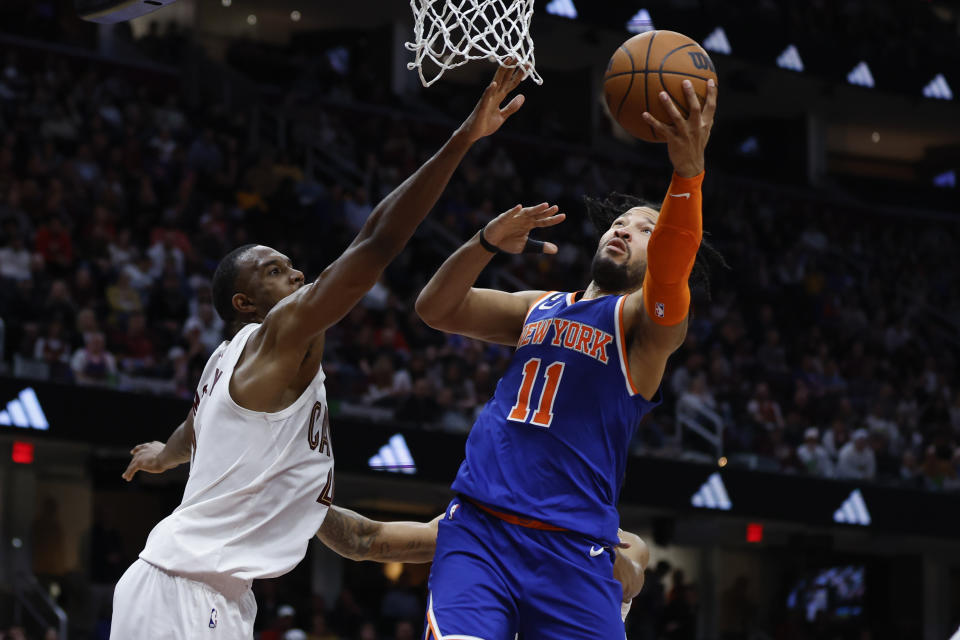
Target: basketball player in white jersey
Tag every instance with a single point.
(258, 434)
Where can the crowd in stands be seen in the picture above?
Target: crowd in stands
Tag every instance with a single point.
(829, 347)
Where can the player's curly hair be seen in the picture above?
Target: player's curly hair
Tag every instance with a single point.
(603, 211)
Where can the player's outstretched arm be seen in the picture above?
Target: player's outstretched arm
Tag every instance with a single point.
(341, 285)
(659, 311)
(451, 303)
(157, 457)
(356, 537)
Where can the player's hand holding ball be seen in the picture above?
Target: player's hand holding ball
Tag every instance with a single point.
(510, 231)
(661, 86)
(686, 137)
(487, 116)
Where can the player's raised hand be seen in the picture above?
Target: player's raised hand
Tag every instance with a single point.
(510, 231)
(488, 116)
(687, 137)
(146, 457)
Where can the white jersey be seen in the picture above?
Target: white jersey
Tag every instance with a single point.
(260, 483)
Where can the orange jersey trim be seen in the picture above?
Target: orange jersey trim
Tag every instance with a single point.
(535, 303)
(622, 343)
(520, 521)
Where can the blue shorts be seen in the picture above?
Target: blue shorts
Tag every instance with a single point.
(491, 580)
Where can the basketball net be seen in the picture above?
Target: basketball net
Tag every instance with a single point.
(451, 33)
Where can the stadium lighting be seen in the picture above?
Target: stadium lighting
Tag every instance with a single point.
(946, 180)
(860, 75)
(750, 146)
(790, 59)
(641, 22)
(295, 15)
(717, 41)
(938, 88)
(251, 19)
(562, 8)
(226, 3)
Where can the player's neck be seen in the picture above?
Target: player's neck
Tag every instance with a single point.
(594, 291)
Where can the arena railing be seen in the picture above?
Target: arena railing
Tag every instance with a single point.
(27, 594)
(698, 418)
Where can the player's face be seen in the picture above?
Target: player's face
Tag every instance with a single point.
(269, 276)
(621, 259)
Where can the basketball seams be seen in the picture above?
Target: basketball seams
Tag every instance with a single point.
(646, 81)
(670, 76)
(683, 110)
(611, 76)
(629, 86)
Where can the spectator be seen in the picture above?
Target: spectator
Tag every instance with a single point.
(938, 470)
(59, 303)
(836, 437)
(388, 386)
(165, 255)
(53, 243)
(404, 630)
(813, 456)
(54, 349)
(856, 459)
(93, 364)
(139, 272)
(283, 623)
(763, 409)
(910, 472)
(420, 407)
(207, 324)
(368, 631)
(135, 347)
(319, 630)
(15, 259)
(123, 299)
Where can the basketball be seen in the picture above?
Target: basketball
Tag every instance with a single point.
(647, 64)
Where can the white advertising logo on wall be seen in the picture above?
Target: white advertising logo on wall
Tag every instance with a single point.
(712, 495)
(25, 412)
(394, 457)
(853, 510)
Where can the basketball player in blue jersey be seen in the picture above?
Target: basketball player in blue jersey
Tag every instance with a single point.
(529, 544)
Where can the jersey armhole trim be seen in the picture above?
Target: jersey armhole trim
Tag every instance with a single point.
(622, 347)
(534, 305)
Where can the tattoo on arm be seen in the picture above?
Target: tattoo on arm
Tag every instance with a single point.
(358, 538)
(350, 534)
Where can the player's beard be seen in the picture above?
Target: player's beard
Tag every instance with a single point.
(612, 277)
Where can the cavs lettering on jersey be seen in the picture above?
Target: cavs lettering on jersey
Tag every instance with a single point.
(552, 443)
(259, 487)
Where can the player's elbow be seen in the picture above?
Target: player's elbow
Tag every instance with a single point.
(431, 311)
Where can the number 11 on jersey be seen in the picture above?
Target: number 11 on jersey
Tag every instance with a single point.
(544, 413)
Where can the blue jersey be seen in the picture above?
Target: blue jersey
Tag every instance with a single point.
(552, 443)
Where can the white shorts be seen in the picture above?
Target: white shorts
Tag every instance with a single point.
(151, 604)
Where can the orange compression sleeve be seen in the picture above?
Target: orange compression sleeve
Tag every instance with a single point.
(672, 250)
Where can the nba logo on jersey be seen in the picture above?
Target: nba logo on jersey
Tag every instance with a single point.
(213, 619)
(658, 309)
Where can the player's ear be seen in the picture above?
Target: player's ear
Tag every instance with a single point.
(243, 303)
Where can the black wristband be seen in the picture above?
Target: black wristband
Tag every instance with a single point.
(486, 244)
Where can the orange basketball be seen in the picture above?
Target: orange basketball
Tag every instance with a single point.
(644, 66)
